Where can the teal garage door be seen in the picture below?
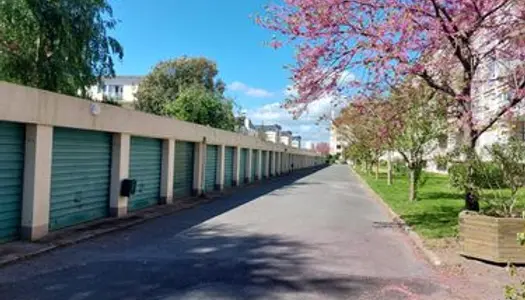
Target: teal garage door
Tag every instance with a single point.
(264, 155)
(12, 144)
(80, 177)
(254, 164)
(228, 166)
(145, 168)
(211, 168)
(242, 165)
(272, 157)
(184, 159)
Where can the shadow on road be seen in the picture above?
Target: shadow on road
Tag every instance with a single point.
(182, 256)
(207, 262)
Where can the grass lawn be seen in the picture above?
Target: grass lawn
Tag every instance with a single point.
(434, 215)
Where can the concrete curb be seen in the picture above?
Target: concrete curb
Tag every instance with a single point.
(414, 237)
(71, 236)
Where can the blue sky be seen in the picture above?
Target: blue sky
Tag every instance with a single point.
(225, 32)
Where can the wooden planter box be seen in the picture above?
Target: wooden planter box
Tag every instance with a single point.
(491, 239)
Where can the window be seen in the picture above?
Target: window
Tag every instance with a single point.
(338, 146)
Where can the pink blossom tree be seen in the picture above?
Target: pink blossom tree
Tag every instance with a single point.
(323, 148)
(454, 46)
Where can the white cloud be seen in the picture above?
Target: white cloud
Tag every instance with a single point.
(249, 91)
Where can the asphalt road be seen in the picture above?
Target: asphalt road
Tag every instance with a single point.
(316, 237)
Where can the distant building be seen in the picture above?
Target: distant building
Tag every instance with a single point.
(272, 132)
(308, 145)
(119, 88)
(337, 142)
(286, 138)
(244, 126)
(296, 141)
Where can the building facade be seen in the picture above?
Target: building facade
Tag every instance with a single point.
(296, 142)
(272, 132)
(245, 126)
(286, 138)
(337, 141)
(119, 89)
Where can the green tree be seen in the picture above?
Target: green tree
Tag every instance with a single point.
(169, 78)
(199, 105)
(57, 45)
(421, 115)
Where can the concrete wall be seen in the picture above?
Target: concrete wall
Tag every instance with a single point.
(42, 110)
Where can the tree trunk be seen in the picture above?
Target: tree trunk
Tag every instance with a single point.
(469, 140)
(412, 191)
(389, 171)
(377, 169)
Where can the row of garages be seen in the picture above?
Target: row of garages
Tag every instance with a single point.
(81, 170)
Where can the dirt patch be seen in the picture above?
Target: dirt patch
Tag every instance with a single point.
(470, 278)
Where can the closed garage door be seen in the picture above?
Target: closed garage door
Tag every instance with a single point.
(254, 164)
(12, 138)
(242, 165)
(183, 182)
(264, 164)
(228, 166)
(272, 157)
(145, 168)
(211, 168)
(80, 176)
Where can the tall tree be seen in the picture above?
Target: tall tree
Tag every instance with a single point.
(421, 115)
(57, 45)
(365, 130)
(323, 148)
(198, 105)
(453, 46)
(187, 89)
(169, 78)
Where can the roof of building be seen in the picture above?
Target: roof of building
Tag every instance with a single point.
(286, 133)
(274, 127)
(123, 80)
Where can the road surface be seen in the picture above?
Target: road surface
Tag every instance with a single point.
(315, 237)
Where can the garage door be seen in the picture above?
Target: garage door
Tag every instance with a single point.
(80, 177)
(228, 166)
(211, 168)
(254, 164)
(12, 137)
(272, 157)
(264, 164)
(183, 182)
(145, 168)
(242, 165)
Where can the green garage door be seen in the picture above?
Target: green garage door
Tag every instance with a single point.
(145, 168)
(211, 168)
(80, 177)
(254, 164)
(242, 165)
(12, 137)
(183, 182)
(264, 164)
(228, 166)
(272, 157)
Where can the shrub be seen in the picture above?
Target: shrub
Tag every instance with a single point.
(487, 175)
